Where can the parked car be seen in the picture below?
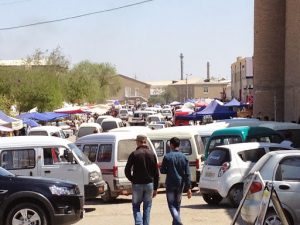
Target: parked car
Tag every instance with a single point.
(88, 128)
(167, 113)
(224, 170)
(282, 169)
(29, 200)
(110, 151)
(101, 118)
(47, 131)
(111, 123)
(124, 114)
(51, 157)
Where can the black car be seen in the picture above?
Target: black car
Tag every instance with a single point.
(38, 201)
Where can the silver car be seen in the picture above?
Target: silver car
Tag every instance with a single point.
(283, 169)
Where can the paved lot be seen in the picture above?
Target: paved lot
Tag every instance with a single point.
(194, 211)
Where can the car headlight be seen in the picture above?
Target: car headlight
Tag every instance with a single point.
(94, 177)
(56, 190)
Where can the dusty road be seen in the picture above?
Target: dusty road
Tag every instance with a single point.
(194, 211)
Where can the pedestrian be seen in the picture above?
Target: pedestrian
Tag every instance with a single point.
(176, 166)
(141, 169)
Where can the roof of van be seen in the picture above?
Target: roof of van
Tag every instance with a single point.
(112, 119)
(252, 145)
(46, 128)
(131, 128)
(244, 130)
(280, 125)
(26, 141)
(108, 136)
(90, 125)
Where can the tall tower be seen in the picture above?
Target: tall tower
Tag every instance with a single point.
(292, 62)
(181, 65)
(269, 58)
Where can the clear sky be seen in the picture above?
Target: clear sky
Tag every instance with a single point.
(143, 41)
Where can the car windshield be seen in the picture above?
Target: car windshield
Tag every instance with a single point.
(108, 125)
(5, 173)
(83, 131)
(81, 156)
(123, 111)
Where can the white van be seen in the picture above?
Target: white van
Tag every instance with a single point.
(88, 128)
(51, 157)
(47, 131)
(192, 140)
(110, 151)
(111, 123)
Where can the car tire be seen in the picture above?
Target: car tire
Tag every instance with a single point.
(212, 199)
(273, 218)
(236, 195)
(107, 197)
(31, 211)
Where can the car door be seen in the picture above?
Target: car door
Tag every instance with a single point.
(287, 184)
(56, 165)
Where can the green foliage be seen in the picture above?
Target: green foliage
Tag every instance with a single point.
(5, 104)
(156, 99)
(91, 82)
(170, 94)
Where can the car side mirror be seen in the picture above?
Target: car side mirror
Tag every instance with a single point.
(68, 156)
(202, 158)
(67, 135)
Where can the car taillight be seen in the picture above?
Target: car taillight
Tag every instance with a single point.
(115, 171)
(225, 166)
(197, 164)
(255, 187)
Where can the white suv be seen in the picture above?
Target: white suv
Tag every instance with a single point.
(225, 168)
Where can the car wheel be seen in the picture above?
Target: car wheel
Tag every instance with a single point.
(26, 213)
(273, 219)
(212, 199)
(107, 197)
(236, 195)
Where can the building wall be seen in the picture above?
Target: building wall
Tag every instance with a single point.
(269, 58)
(292, 62)
(242, 78)
(131, 87)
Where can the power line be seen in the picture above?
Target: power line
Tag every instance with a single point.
(74, 17)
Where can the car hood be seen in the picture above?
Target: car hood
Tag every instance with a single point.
(42, 180)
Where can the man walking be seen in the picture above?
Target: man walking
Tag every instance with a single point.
(176, 166)
(141, 169)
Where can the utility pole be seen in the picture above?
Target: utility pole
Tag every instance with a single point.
(181, 65)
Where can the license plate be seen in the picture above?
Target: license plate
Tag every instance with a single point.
(209, 174)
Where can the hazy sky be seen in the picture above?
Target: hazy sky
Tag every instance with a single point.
(143, 41)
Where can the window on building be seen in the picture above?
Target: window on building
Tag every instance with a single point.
(136, 92)
(127, 91)
(205, 89)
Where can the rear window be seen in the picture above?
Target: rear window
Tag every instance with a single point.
(252, 155)
(108, 125)
(125, 147)
(268, 138)
(159, 147)
(18, 159)
(83, 131)
(104, 153)
(38, 133)
(185, 146)
(90, 151)
(292, 135)
(217, 157)
(123, 112)
(223, 140)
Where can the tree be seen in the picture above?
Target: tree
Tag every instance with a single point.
(91, 82)
(169, 94)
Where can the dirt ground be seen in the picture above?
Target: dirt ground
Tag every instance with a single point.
(193, 211)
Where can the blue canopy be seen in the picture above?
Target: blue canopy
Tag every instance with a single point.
(46, 116)
(30, 122)
(6, 118)
(234, 103)
(217, 112)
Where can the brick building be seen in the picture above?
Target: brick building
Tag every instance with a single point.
(277, 59)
